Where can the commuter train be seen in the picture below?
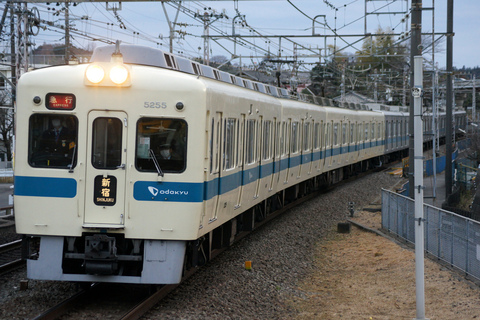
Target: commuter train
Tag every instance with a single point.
(137, 166)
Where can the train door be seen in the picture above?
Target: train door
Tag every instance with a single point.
(326, 144)
(351, 132)
(273, 132)
(240, 157)
(105, 169)
(302, 147)
(288, 142)
(321, 143)
(228, 187)
(215, 165)
(309, 145)
(259, 156)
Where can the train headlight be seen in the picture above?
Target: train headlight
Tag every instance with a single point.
(95, 73)
(118, 74)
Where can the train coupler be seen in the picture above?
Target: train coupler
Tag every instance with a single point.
(100, 255)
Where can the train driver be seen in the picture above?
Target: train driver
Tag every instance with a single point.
(57, 141)
(168, 151)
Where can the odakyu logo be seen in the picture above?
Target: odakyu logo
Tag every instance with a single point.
(154, 191)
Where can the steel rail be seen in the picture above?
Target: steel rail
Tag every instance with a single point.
(63, 307)
(10, 246)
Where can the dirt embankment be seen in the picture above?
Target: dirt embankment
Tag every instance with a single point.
(361, 275)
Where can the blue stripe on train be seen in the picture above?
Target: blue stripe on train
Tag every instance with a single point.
(45, 187)
(173, 191)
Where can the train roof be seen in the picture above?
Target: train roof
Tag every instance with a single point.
(148, 56)
(157, 58)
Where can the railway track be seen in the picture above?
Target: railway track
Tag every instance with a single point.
(138, 303)
(10, 256)
(142, 302)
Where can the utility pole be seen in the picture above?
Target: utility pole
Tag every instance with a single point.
(415, 50)
(67, 33)
(417, 93)
(171, 25)
(21, 45)
(13, 58)
(208, 17)
(474, 100)
(449, 108)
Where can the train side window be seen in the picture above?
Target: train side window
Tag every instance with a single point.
(306, 136)
(240, 140)
(267, 139)
(359, 133)
(316, 132)
(276, 138)
(167, 138)
(52, 141)
(229, 147)
(212, 130)
(282, 138)
(344, 133)
(352, 132)
(250, 156)
(294, 137)
(328, 141)
(335, 134)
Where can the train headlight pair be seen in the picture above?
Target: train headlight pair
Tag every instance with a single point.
(118, 74)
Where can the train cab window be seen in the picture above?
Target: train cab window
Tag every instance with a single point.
(52, 141)
(167, 140)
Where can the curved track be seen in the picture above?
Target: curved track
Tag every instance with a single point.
(10, 256)
(140, 302)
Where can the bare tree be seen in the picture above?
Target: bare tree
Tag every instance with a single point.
(6, 123)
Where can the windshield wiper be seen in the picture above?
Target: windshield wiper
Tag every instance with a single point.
(155, 161)
(70, 166)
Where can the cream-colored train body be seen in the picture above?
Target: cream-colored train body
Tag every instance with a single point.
(159, 161)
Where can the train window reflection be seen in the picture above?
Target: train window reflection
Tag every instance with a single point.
(107, 143)
(52, 141)
(167, 138)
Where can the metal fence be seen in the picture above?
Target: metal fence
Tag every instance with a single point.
(448, 236)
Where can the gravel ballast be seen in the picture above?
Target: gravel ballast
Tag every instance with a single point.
(282, 254)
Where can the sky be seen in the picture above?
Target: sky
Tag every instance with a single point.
(145, 23)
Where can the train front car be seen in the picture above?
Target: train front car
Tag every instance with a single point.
(109, 168)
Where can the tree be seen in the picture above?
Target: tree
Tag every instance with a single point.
(6, 123)
(326, 77)
(380, 66)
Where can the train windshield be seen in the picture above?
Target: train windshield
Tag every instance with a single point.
(52, 141)
(167, 138)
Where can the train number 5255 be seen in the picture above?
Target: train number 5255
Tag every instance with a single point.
(155, 104)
